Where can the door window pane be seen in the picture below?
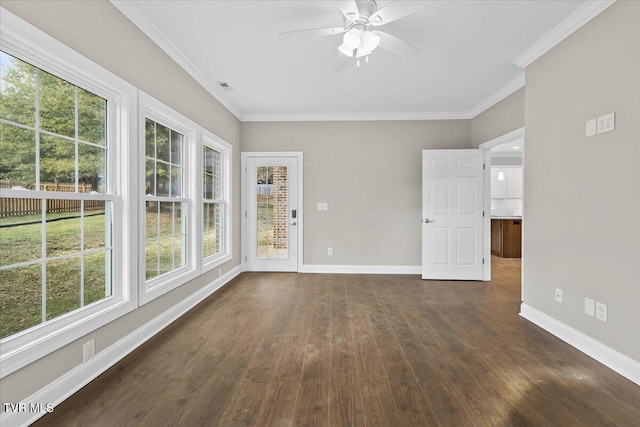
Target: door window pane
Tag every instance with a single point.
(272, 218)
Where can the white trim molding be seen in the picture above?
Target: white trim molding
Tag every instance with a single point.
(497, 96)
(60, 389)
(146, 25)
(346, 117)
(585, 13)
(624, 365)
(360, 269)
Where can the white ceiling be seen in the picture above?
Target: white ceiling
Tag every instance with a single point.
(467, 49)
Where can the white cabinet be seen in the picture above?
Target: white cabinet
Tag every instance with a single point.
(506, 183)
(514, 183)
(498, 183)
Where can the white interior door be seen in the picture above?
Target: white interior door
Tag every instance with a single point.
(452, 214)
(272, 216)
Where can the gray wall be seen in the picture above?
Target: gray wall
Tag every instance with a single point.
(582, 209)
(369, 173)
(100, 32)
(504, 117)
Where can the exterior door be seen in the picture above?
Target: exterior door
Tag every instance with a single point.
(452, 214)
(271, 213)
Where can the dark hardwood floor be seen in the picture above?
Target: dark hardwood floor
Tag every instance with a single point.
(282, 349)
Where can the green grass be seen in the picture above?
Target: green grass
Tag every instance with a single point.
(21, 287)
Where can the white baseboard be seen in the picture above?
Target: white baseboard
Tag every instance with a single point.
(60, 389)
(624, 365)
(361, 269)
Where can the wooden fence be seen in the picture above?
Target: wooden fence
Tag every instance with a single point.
(11, 207)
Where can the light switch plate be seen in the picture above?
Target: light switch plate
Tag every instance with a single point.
(591, 127)
(607, 123)
(589, 307)
(601, 311)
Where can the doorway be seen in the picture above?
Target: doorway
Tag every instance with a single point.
(272, 211)
(504, 200)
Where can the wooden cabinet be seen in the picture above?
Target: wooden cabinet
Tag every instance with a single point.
(506, 238)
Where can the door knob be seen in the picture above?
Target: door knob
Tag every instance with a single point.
(293, 223)
(427, 221)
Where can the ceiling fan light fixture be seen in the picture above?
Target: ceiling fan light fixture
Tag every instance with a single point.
(370, 40)
(362, 52)
(352, 38)
(343, 48)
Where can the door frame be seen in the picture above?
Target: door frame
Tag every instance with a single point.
(244, 202)
(487, 146)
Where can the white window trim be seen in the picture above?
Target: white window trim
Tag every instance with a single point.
(211, 140)
(28, 43)
(149, 107)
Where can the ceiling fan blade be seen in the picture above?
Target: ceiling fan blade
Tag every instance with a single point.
(349, 9)
(396, 45)
(394, 11)
(312, 32)
(341, 63)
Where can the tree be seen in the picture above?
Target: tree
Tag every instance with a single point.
(64, 110)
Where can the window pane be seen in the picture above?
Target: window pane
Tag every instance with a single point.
(20, 299)
(219, 224)
(178, 223)
(151, 258)
(57, 105)
(92, 169)
(63, 227)
(20, 230)
(162, 142)
(179, 259)
(63, 286)
(208, 160)
(162, 179)
(18, 90)
(96, 229)
(176, 147)
(57, 164)
(166, 255)
(217, 178)
(166, 219)
(150, 137)
(150, 177)
(151, 219)
(92, 117)
(272, 212)
(96, 279)
(19, 168)
(208, 186)
(176, 181)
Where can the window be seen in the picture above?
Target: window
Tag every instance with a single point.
(56, 251)
(165, 225)
(63, 136)
(168, 212)
(216, 162)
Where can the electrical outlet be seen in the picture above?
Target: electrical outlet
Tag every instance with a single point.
(329, 251)
(607, 123)
(591, 127)
(589, 307)
(601, 311)
(88, 350)
(322, 206)
(558, 295)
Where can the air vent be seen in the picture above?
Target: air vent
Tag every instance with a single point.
(225, 86)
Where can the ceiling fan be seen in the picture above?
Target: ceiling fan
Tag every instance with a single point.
(361, 36)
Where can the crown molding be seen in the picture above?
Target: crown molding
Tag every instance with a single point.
(564, 29)
(142, 21)
(342, 117)
(497, 96)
